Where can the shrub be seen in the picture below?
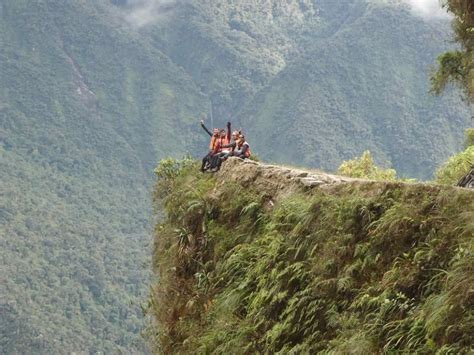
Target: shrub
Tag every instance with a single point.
(364, 167)
(469, 138)
(456, 167)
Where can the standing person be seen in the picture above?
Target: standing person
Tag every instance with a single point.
(212, 145)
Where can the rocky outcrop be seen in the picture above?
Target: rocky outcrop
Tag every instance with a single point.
(278, 180)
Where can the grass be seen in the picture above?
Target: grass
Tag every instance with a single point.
(357, 270)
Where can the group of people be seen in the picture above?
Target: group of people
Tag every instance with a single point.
(223, 145)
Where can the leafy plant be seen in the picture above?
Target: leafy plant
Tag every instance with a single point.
(456, 167)
(363, 268)
(364, 167)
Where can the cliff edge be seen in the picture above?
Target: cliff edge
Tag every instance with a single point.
(266, 259)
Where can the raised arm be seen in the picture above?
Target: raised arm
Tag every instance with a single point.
(205, 128)
(228, 131)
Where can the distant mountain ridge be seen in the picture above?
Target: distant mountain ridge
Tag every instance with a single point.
(358, 67)
(83, 119)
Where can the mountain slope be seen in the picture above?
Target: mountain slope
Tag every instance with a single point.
(233, 48)
(90, 100)
(324, 80)
(85, 109)
(353, 92)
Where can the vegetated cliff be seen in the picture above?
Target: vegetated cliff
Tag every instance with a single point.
(266, 259)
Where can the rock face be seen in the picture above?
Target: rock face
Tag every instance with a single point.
(276, 179)
(283, 180)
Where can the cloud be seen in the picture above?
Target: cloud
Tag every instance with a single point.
(430, 9)
(141, 13)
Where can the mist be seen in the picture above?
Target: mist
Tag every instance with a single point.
(428, 9)
(141, 13)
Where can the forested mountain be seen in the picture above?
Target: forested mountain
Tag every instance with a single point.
(86, 109)
(364, 86)
(317, 82)
(93, 93)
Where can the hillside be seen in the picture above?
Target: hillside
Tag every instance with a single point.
(364, 86)
(326, 80)
(79, 95)
(269, 259)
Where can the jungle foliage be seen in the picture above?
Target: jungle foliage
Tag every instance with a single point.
(458, 66)
(367, 268)
(459, 164)
(89, 102)
(79, 95)
(364, 167)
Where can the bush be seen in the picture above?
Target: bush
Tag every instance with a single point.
(469, 138)
(167, 171)
(456, 167)
(364, 167)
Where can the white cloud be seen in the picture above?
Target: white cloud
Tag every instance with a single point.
(427, 8)
(146, 12)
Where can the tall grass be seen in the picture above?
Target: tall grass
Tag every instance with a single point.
(364, 269)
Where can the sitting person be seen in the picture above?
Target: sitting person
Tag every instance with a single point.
(221, 149)
(239, 148)
(212, 146)
(228, 149)
(242, 149)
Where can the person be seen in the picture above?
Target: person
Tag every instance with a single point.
(214, 135)
(242, 149)
(239, 148)
(219, 139)
(229, 148)
(222, 148)
(212, 146)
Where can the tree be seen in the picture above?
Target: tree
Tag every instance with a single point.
(458, 66)
(364, 167)
(459, 164)
(456, 167)
(469, 138)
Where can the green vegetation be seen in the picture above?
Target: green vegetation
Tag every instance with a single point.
(84, 114)
(89, 103)
(364, 268)
(455, 167)
(458, 66)
(469, 138)
(459, 164)
(364, 167)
